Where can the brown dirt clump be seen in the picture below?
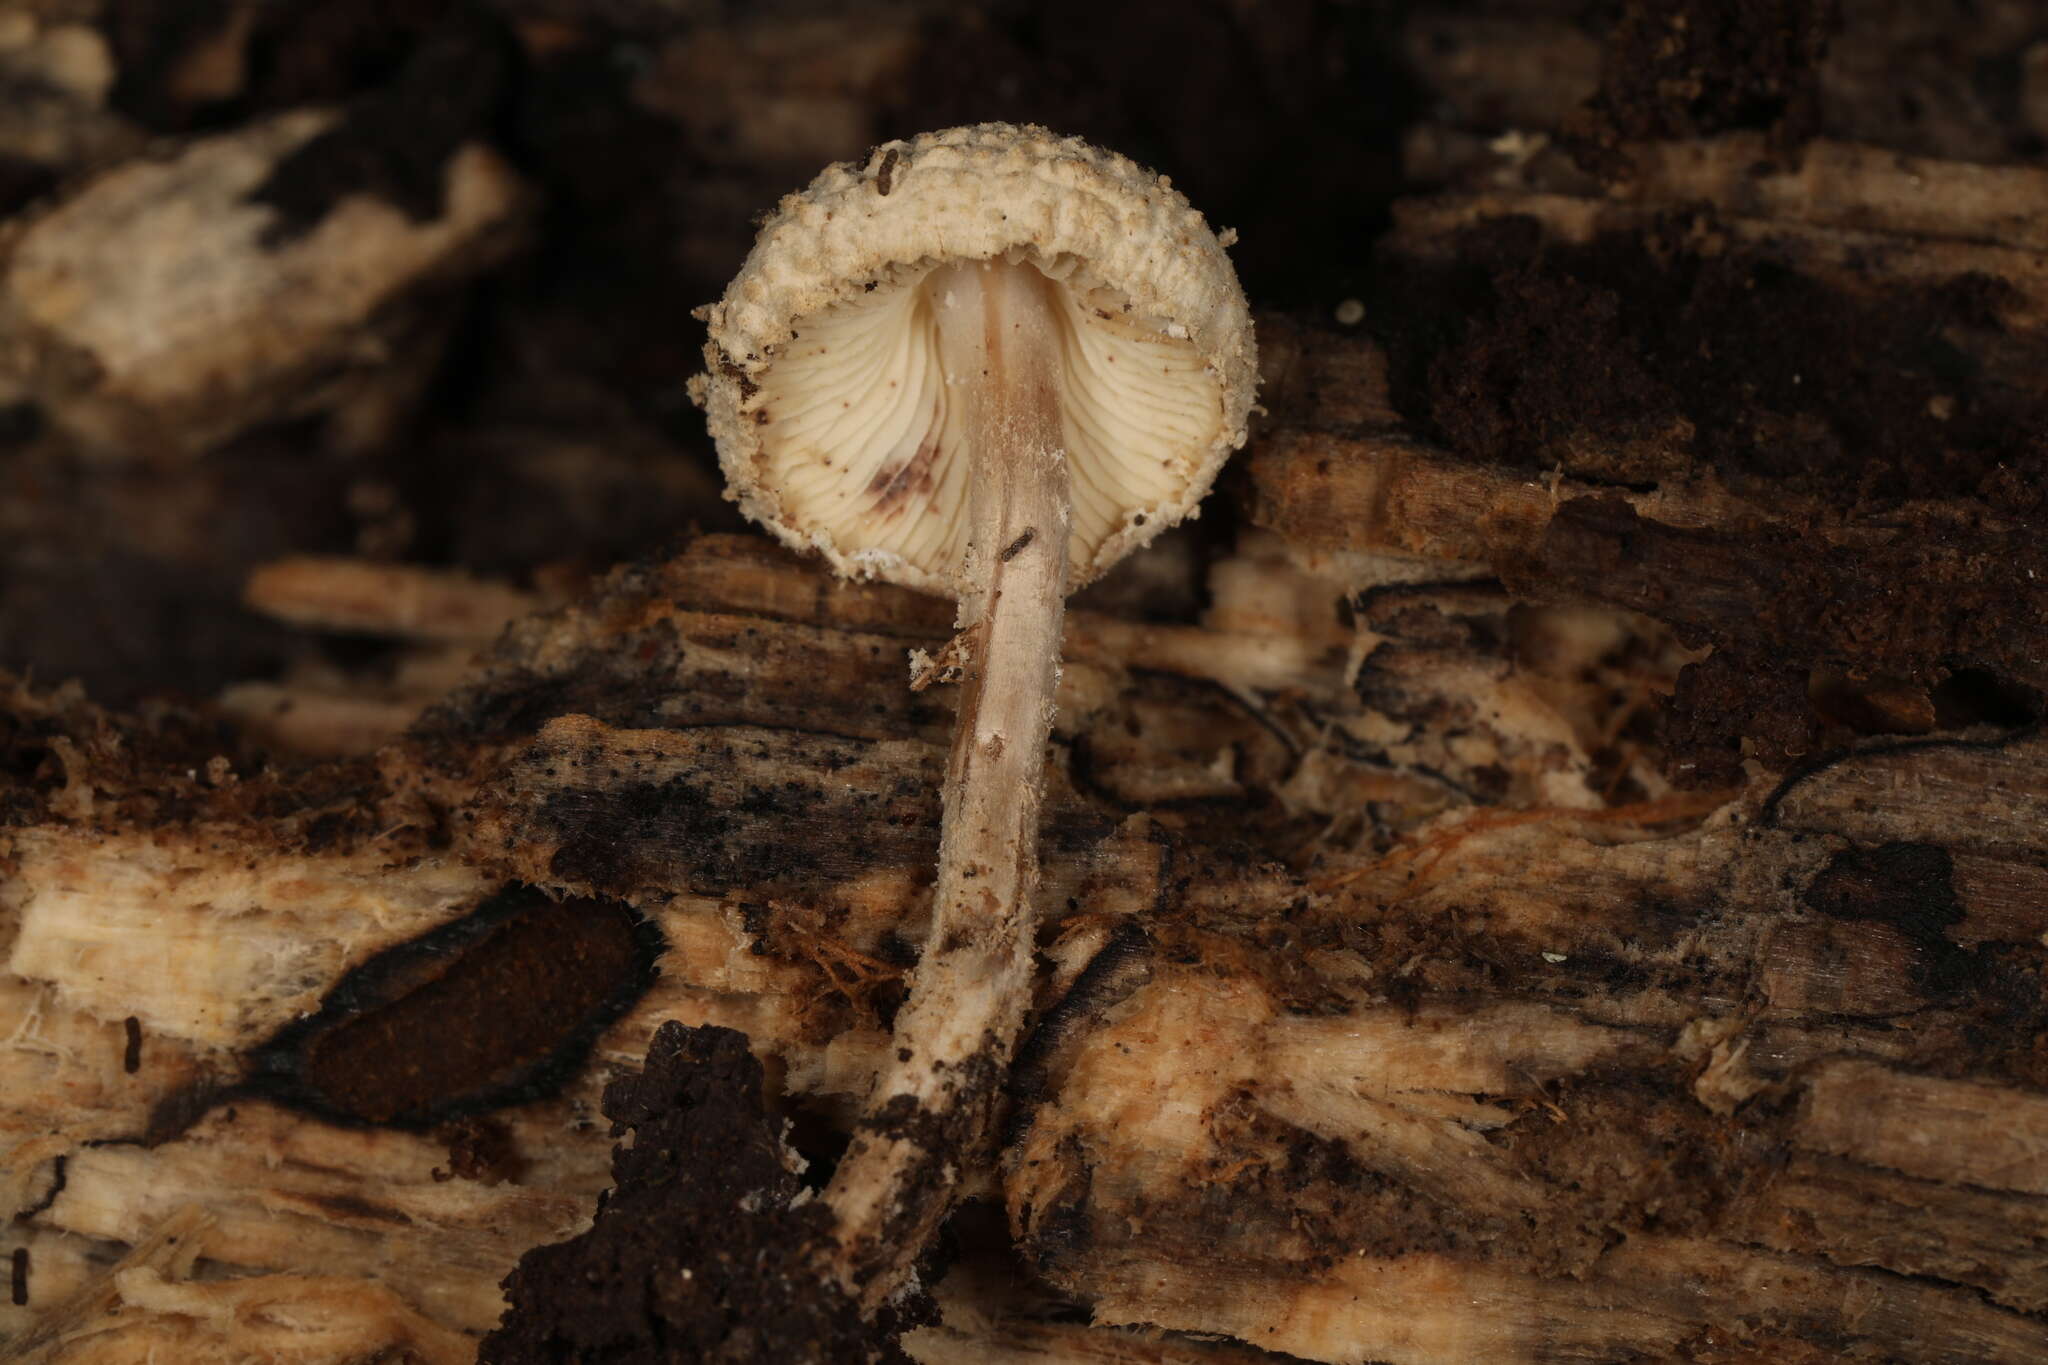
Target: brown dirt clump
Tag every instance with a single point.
(699, 1252)
(479, 1149)
(1692, 68)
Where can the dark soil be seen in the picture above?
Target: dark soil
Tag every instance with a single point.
(1693, 68)
(699, 1253)
(394, 142)
(480, 1149)
(1281, 120)
(1637, 356)
(158, 765)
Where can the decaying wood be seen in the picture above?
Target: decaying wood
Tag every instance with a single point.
(202, 324)
(1843, 185)
(1735, 1039)
(386, 599)
(1579, 1077)
(1360, 494)
(319, 711)
(1391, 1002)
(987, 1319)
(149, 1305)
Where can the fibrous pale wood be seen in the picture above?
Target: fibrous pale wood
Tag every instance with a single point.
(148, 1306)
(1686, 1036)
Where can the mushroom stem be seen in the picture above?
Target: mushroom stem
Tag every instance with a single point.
(932, 1104)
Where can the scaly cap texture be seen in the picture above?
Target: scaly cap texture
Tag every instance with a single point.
(824, 393)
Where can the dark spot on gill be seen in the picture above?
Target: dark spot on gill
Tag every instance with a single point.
(892, 486)
(131, 1055)
(20, 1277)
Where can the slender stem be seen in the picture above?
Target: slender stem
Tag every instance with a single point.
(931, 1106)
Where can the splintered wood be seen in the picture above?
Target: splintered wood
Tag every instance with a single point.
(1458, 1051)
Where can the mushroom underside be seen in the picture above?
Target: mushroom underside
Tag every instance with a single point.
(863, 435)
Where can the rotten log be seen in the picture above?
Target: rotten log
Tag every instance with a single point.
(1489, 1042)
(1735, 991)
(1602, 1071)
(1701, 1038)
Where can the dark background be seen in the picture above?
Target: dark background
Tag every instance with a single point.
(554, 436)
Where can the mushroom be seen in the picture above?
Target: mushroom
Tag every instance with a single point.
(988, 362)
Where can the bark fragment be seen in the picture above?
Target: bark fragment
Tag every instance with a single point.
(199, 328)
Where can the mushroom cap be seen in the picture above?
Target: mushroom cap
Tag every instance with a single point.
(825, 390)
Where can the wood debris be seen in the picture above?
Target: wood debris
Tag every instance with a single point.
(1551, 869)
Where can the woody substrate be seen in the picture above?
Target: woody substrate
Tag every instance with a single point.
(1553, 857)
